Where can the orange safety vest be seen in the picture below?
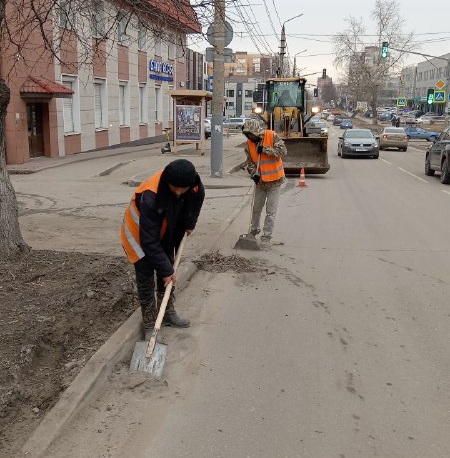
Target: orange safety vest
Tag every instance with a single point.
(129, 232)
(270, 168)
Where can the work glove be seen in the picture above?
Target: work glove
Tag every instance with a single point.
(256, 178)
(259, 149)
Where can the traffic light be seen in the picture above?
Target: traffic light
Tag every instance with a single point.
(384, 49)
(324, 73)
(316, 92)
(430, 96)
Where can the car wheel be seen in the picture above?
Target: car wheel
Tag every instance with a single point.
(376, 156)
(343, 155)
(405, 149)
(429, 172)
(381, 148)
(445, 174)
(431, 139)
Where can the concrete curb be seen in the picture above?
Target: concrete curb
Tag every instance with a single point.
(92, 377)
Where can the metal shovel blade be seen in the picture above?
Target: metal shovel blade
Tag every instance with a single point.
(153, 365)
(247, 242)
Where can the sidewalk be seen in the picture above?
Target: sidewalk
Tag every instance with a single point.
(95, 188)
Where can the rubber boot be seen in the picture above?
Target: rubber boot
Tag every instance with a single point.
(171, 317)
(149, 315)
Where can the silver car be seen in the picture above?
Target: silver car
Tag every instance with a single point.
(316, 127)
(358, 142)
(234, 123)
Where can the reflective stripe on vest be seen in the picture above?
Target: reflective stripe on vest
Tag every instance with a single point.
(129, 233)
(270, 168)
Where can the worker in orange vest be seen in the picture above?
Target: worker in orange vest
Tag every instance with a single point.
(162, 209)
(268, 177)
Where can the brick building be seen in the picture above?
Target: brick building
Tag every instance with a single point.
(119, 94)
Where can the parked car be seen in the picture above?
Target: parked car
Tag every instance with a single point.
(315, 127)
(358, 142)
(331, 117)
(419, 133)
(394, 137)
(346, 124)
(207, 127)
(385, 116)
(234, 123)
(429, 119)
(437, 157)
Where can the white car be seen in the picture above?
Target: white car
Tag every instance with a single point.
(330, 118)
(207, 127)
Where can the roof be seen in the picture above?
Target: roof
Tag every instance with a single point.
(181, 11)
(190, 94)
(38, 86)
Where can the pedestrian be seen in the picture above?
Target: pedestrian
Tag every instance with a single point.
(393, 120)
(397, 121)
(162, 209)
(270, 149)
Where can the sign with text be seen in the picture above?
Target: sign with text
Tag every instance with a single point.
(189, 122)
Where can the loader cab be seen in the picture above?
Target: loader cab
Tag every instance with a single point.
(285, 92)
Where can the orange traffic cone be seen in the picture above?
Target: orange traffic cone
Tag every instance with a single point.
(302, 181)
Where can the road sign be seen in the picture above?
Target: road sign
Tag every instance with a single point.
(439, 96)
(401, 102)
(228, 34)
(440, 84)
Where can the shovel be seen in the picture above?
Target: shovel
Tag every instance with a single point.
(248, 241)
(150, 356)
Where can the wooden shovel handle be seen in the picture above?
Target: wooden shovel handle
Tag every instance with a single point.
(163, 306)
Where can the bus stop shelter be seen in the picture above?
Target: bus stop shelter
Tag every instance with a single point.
(189, 119)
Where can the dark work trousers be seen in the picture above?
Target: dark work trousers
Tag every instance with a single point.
(145, 282)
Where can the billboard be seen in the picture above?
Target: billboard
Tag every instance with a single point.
(189, 126)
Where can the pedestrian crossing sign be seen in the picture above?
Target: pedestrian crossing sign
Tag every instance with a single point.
(439, 96)
(401, 102)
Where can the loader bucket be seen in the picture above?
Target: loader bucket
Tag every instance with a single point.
(308, 152)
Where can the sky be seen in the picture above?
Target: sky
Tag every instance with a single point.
(320, 21)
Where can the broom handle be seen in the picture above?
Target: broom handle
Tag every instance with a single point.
(253, 197)
(163, 306)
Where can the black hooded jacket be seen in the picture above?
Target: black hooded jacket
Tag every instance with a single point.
(181, 214)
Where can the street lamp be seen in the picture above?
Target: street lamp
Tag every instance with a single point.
(283, 43)
(295, 61)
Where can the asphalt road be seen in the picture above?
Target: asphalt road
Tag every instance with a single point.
(338, 348)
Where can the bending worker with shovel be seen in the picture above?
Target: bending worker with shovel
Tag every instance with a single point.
(162, 209)
(265, 149)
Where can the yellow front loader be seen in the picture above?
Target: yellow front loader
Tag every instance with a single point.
(285, 112)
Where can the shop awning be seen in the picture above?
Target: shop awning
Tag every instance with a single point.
(40, 87)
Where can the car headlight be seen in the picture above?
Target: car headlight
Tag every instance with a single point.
(346, 143)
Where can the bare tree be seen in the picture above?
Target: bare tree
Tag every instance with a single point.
(34, 27)
(365, 71)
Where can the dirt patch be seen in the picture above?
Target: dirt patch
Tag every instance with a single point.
(57, 309)
(215, 261)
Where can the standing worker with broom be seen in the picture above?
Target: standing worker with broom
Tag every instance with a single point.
(162, 209)
(264, 151)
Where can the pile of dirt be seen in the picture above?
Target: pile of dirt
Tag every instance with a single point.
(215, 261)
(57, 309)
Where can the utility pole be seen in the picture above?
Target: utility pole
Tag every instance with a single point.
(282, 52)
(218, 90)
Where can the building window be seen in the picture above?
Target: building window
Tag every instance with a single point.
(142, 37)
(71, 106)
(122, 23)
(248, 105)
(170, 105)
(158, 46)
(101, 109)
(249, 93)
(171, 47)
(66, 14)
(230, 93)
(230, 105)
(158, 104)
(98, 19)
(143, 103)
(124, 104)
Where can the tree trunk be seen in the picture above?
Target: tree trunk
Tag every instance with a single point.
(11, 241)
